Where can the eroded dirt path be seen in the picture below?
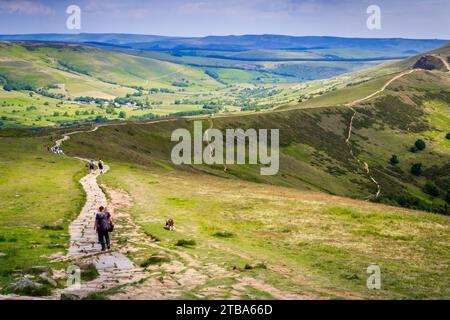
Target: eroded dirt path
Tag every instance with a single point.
(385, 86)
(445, 62)
(351, 106)
(363, 163)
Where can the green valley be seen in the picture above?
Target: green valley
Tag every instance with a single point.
(46, 84)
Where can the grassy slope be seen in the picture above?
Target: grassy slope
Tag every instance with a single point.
(347, 94)
(41, 64)
(309, 242)
(329, 241)
(36, 189)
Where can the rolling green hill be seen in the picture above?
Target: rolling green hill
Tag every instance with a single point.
(48, 84)
(45, 64)
(40, 83)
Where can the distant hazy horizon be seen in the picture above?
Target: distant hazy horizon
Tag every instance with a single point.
(213, 35)
(409, 19)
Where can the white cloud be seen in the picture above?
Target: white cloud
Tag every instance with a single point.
(131, 9)
(24, 7)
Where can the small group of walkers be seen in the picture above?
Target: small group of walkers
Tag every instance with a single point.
(103, 225)
(100, 166)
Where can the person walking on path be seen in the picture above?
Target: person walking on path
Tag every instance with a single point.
(100, 165)
(92, 166)
(103, 225)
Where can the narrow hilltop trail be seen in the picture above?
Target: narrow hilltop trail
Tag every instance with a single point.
(445, 62)
(385, 86)
(364, 164)
(351, 106)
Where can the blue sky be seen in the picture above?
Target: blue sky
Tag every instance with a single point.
(400, 18)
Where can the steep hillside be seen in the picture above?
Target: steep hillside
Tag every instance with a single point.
(41, 80)
(290, 58)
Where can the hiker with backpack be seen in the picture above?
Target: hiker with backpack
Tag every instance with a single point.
(92, 166)
(103, 225)
(100, 165)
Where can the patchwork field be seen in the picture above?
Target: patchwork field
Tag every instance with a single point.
(86, 84)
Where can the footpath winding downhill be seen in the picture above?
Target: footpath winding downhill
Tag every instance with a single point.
(211, 126)
(354, 103)
(351, 106)
(114, 267)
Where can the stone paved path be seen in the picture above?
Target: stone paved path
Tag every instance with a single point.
(114, 267)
